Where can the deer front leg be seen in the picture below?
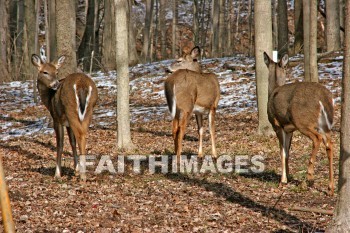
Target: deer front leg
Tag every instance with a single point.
(284, 141)
(199, 119)
(59, 142)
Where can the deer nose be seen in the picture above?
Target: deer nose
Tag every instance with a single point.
(54, 85)
(167, 70)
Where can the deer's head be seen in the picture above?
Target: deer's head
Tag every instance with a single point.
(47, 72)
(277, 71)
(188, 61)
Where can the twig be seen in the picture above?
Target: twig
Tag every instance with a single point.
(278, 200)
(313, 210)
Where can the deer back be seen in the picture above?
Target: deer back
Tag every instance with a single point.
(296, 105)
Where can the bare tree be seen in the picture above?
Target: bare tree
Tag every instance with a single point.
(313, 41)
(65, 26)
(4, 74)
(298, 26)
(108, 47)
(263, 43)
(122, 60)
(306, 47)
(133, 57)
(282, 15)
(195, 22)
(174, 26)
(52, 28)
(215, 29)
(162, 28)
(147, 30)
(341, 219)
(333, 24)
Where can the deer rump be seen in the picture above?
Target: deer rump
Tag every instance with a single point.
(301, 103)
(191, 91)
(82, 88)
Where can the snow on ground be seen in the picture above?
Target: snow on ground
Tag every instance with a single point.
(238, 93)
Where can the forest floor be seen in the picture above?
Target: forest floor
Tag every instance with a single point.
(170, 202)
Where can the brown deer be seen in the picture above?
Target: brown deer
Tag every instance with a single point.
(303, 106)
(70, 102)
(188, 91)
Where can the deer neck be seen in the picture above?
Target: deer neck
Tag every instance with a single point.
(276, 79)
(46, 95)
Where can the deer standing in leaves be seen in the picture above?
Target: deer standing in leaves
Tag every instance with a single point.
(70, 102)
(303, 106)
(188, 91)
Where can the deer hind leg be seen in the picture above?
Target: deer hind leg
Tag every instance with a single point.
(180, 133)
(316, 139)
(212, 131)
(59, 142)
(81, 139)
(175, 132)
(73, 144)
(329, 149)
(199, 119)
(285, 140)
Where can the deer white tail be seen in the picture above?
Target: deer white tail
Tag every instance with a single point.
(324, 122)
(82, 101)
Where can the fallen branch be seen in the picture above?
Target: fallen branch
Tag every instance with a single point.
(313, 210)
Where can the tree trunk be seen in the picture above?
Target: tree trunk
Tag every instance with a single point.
(28, 39)
(133, 57)
(215, 29)
(341, 19)
(250, 22)
(147, 30)
(122, 57)
(283, 42)
(86, 46)
(230, 12)
(263, 43)
(341, 218)
(52, 29)
(66, 29)
(174, 26)
(298, 26)
(162, 28)
(333, 24)
(4, 74)
(274, 25)
(306, 24)
(195, 22)
(222, 29)
(313, 41)
(108, 48)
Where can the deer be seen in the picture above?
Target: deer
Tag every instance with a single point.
(303, 106)
(187, 91)
(70, 102)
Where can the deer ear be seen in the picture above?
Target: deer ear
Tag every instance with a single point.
(60, 62)
(284, 60)
(267, 59)
(36, 61)
(195, 52)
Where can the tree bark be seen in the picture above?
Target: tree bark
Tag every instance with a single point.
(174, 26)
(195, 22)
(341, 219)
(283, 42)
(162, 28)
(263, 43)
(298, 26)
(28, 39)
(108, 47)
(133, 57)
(147, 30)
(333, 25)
(66, 29)
(306, 47)
(313, 41)
(215, 28)
(4, 74)
(52, 29)
(122, 57)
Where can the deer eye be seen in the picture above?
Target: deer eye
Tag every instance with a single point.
(45, 72)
